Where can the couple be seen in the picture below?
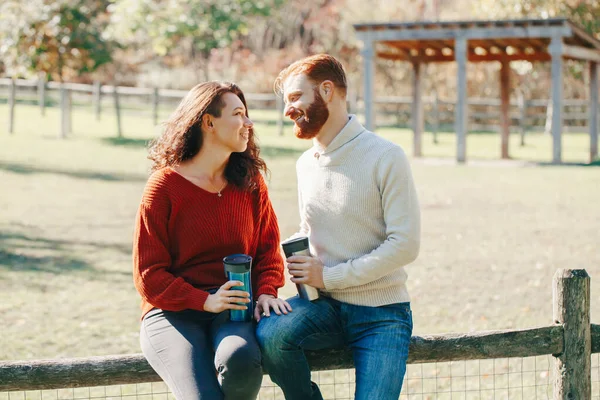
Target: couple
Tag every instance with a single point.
(207, 199)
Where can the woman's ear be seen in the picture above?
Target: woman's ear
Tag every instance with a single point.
(207, 122)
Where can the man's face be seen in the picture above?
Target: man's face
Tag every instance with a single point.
(305, 106)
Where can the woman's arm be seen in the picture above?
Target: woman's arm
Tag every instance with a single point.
(152, 259)
(268, 262)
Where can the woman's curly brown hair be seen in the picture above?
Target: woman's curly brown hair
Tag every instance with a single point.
(182, 137)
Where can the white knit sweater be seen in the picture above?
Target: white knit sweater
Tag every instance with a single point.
(359, 208)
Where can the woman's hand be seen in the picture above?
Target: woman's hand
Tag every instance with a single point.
(226, 299)
(267, 301)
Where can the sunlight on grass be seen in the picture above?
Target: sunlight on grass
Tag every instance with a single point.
(494, 232)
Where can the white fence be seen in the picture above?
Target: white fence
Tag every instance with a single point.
(527, 115)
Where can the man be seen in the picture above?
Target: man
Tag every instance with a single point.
(359, 209)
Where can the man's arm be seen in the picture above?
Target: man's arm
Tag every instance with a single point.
(402, 219)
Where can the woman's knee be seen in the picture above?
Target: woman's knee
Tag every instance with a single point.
(236, 354)
(239, 369)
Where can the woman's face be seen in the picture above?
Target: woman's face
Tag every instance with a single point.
(232, 128)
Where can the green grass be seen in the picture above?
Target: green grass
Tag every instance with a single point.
(494, 232)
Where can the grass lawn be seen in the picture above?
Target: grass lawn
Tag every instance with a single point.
(494, 232)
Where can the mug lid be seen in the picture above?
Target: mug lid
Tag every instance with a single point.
(237, 259)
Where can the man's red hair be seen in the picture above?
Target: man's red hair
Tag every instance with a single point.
(318, 68)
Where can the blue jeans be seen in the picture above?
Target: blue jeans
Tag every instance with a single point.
(377, 336)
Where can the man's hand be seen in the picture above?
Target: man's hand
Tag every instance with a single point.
(227, 299)
(266, 302)
(307, 270)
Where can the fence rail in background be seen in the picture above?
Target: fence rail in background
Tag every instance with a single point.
(571, 342)
(527, 115)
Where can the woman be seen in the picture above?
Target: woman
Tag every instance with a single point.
(206, 199)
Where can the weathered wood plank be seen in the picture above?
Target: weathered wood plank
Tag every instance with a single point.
(571, 308)
(133, 368)
(595, 334)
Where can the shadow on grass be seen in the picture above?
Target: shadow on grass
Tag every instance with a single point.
(127, 142)
(52, 264)
(595, 163)
(31, 170)
(18, 253)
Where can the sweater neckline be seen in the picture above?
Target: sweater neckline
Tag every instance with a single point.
(351, 130)
(201, 189)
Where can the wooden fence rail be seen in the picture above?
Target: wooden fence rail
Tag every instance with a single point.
(571, 341)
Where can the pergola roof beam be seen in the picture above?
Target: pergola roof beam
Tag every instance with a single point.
(581, 53)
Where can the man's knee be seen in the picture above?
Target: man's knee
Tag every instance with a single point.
(267, 333)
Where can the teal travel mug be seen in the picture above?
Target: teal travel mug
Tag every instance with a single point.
(237, 268)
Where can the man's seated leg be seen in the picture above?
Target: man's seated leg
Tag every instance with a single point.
(379, 338)
(283, 338)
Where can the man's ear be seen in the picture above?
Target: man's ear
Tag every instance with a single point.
(326, 89)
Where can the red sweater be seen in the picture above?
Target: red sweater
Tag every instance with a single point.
(182, 233)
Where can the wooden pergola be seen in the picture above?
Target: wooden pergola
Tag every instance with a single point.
(548, 40)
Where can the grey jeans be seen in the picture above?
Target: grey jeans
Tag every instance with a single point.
(201, 355)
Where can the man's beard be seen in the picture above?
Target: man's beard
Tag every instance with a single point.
(315, 117)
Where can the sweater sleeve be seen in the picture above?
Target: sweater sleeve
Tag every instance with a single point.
(303, 229)
(151, 259)
(268, 262)
(402, 220)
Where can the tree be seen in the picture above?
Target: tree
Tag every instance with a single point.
(185, 30)
(63, 39)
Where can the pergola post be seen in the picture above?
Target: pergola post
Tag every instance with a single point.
(505, 107)
(460, 113)
(593, 123)
(556, 51)
(417, 110)
(368, 55)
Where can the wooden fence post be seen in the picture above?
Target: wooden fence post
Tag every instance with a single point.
(571, 309)
(436, 117)
(42, 93)
(352, 101)
(64, 110)
(522, 117)
(12, 100)
(155, 102)
(69, 111)
(117, 110)
(280, 109)
(97, 99)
